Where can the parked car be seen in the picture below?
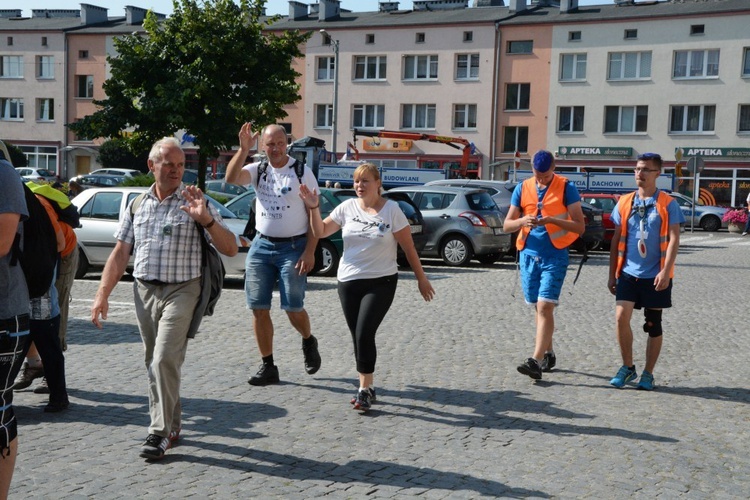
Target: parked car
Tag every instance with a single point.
(606, 202)
(594, 234)
(461, 223)
(80, 183)
(501, 191)
(225, 189)
(101, 210)
(37, 174)
(127, 172)
(707, 217)
(329, 250)
(410, 210)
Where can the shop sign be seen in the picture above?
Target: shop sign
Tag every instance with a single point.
(386, 144)
(594, 151)
(732, 153)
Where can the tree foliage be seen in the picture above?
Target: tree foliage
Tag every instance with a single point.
(17, 158)
(206, 69)
(116, 153)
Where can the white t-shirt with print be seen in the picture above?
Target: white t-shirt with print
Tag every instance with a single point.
(279, 211)
(369, 245)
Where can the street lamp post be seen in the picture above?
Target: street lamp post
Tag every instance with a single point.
(334, 118)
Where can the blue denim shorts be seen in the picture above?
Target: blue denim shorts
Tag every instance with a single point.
(542, 277)
(268, 263)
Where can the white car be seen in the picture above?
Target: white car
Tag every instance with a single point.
(101, 210)
(707, 217)
(127, 172)
(37, 174)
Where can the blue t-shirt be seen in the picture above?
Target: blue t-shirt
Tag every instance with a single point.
(538, 242)
(14, 296)
(649, 266)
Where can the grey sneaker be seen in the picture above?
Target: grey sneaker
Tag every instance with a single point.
(42, 387)
(371, 390)
(363, 401)
(154, 447)
(27, 376)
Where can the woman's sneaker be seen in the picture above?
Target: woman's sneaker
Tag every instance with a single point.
(363, 400)
(549, 361)
(646, 382)
(372, 396)
(624, 375)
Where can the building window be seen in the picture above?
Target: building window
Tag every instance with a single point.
(370, 38)
(368, 116)
(631, 34)
(689, 119)
(464, 116)
(468, 36)
(418, 116)
(11, 108)
(574, 36)
(369, 68)
(326, 68)
(520, 47)
(573, 67)
(570, 119)
(83, 54)
(40, 156)
(324, 116)
(629, 65)
(11, 66)
(44, 41)
(467, 66)
(515, 139)
(744, 118)
(45, 67)
(696, 63)
(517, 96)
(746, 63)
(421, 67)
(419, 38)
(625, 119)
(85, 86)
(45, 110)
(10, 40)
(698, 29)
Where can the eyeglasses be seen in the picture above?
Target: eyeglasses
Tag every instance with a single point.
(649, 156)
(645, 170)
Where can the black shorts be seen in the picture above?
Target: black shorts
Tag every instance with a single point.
(642, 292)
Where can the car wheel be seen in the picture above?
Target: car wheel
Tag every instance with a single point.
(710, 223)
(83, 265)
(455, 251)
(489, 258)
(326, 259)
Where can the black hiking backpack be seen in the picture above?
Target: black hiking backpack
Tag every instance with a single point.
(38, 255)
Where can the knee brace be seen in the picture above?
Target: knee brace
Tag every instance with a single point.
(652, 326)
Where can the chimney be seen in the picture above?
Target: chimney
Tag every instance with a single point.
(329, 9)
(568, 6)
(297, 10)
(439, 4)
(387, 6)
(489, 3)
(517, 6)
(56, 13)
(314, 9)
(134, 15)
(9, 13)
(91, 14)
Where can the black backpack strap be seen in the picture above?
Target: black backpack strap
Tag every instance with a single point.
(299, 169)
(261, 170)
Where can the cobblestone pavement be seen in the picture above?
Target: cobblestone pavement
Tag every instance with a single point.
(453, 419)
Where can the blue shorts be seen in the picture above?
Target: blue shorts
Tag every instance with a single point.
(268, 263)
(542, 277)
(642, 292)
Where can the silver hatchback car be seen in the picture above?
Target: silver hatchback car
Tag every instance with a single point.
(460, 223)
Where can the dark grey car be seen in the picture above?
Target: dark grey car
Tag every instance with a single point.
(460, 223)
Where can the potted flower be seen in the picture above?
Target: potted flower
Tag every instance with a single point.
(736, 219)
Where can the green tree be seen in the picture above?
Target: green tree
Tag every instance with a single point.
(206, 69)
(115, 153)
(17, 158)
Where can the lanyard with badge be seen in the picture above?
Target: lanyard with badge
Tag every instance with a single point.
(641, 211)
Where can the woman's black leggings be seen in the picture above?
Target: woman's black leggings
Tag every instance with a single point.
(365, 304)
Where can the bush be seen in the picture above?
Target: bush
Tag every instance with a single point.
(736, 216)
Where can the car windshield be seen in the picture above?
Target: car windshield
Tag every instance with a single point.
(45, 172)
(223, 211)
(481, 200)
(240, 206)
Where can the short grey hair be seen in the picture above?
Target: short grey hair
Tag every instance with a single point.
(155, 154)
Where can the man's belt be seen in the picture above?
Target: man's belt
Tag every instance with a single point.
(275, 239)
(154, 282)
(17, 324)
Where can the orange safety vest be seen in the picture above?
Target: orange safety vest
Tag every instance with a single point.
(552, 206)
(626, 207)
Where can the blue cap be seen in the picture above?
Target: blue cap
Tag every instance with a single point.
(542, 161)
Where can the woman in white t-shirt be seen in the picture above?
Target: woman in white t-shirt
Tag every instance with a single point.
(371, 227)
